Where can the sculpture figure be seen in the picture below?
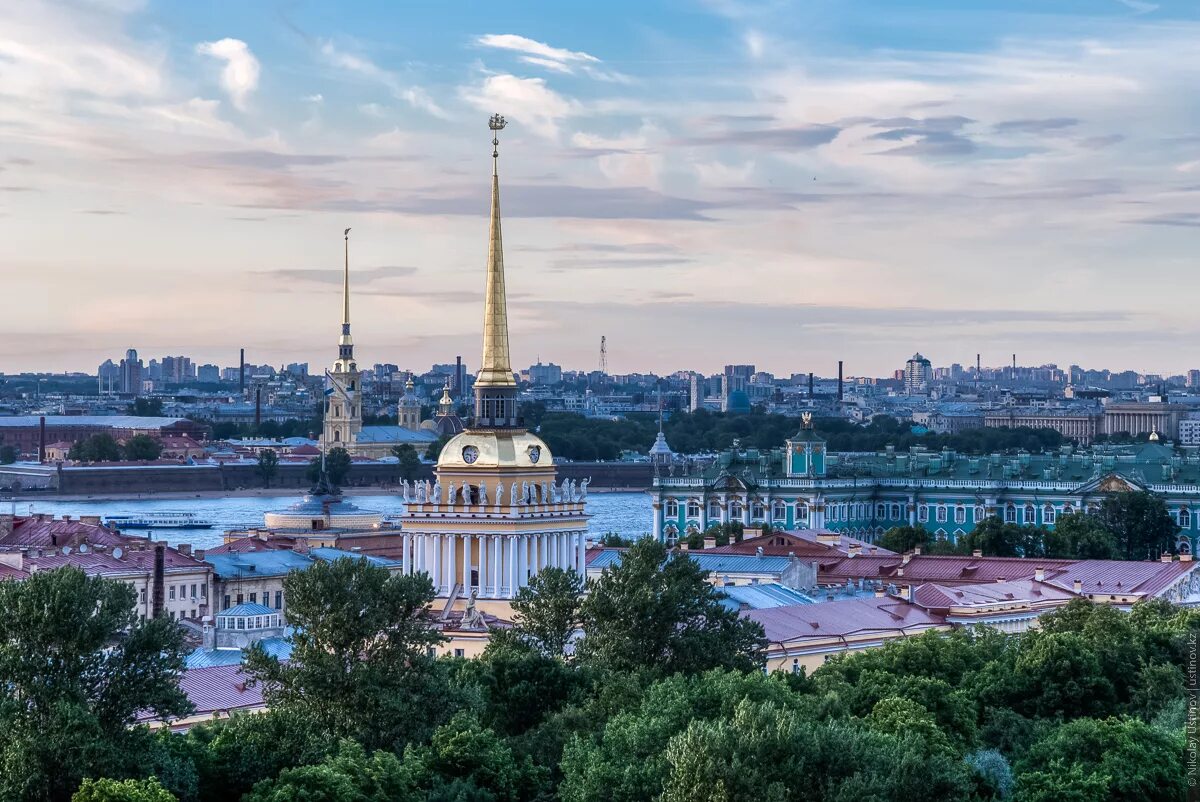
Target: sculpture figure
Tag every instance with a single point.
(499, 493)
(472, 618)
(483, 494)
(421, 493)
(583, 488)
(515, 491)
(466, 493)
(450, 490)
(404, 491)
(436, 498)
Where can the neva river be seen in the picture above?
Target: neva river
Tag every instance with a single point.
(628, 514)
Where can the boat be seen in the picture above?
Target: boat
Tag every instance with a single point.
(158, 520)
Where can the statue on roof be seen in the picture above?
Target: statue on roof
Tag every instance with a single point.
(583, 487)
(466, 492)
(472, 618)
(450, 491)
(483, 499)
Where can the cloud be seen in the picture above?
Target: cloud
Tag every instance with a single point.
(1174, 219)
(525, 100)
(1139, 6)
(411, 94)
(358, 277)
(532, 48)
(239, 76)
(789, 138)
(1035, 126)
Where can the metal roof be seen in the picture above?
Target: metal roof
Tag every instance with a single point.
(394, 434)
(248, 608)
(207, 658)
(111, 421)
(713, 563)
(762, 596)
(841, 618)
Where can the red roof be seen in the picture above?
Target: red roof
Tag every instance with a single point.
(801, 542)
(842, 618)
(44, 532)
(245, 544)
(1121, 578)
(944, 569)
(216, 689)
(941, 597)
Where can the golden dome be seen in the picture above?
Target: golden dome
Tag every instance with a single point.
(495, 448)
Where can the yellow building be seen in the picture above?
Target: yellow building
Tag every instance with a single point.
(495, 515)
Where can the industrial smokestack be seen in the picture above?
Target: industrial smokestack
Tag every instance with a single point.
(159, 562)
(839, 380)
(458, 376)
(42, 438)
(257, 406)
(242, 371)
(810, 384)
(1014, 361)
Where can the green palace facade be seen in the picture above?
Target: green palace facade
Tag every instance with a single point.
(803, 486)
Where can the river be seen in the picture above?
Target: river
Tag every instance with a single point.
(628, 514)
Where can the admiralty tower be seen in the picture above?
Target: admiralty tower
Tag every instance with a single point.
(495, 514)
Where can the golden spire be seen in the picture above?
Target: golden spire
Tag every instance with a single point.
(496, 368)
(345, 340)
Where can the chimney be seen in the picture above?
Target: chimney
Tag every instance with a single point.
(810, 384)
(184, 549)
(258, 406)
(710, 542)
(839, 380)
(42, 438)
(1166, 557)
(1039, 574)
(916, 551)
(977, 553)
(683, 545)
(758, 551)
(879, 594)
(156, 611)
(242, 371)
(906, 592)
(210, 635)
(904, 558)
(854, 550)
(900, 571)
(1077, 586)
(1185, 558)
(199, 555)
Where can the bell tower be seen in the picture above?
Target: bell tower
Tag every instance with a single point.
(343, 397)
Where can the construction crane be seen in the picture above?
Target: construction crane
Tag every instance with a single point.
(604, 355)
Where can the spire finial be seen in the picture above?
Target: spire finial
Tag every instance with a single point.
(496, 123)
(346, 285)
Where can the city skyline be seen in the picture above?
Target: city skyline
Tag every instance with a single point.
(696, 182)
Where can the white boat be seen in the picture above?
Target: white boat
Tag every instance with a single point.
(158, 520)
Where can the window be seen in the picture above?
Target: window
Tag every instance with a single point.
(693, 509)
(258, 622)
(881, 511)
(960, 515)
(802, 512)
(941, 514)
(254, 598)
(1185, 518)
(1010, 514)
(204, 590)
(896, 513)
(279, 600)
(240, 599)
(672, 508)
(143, 595)
(241, 622)
(923, 513)
(194, 612)
(171, 592)
(779, 511)
(758, 511)
(1030, 514)
(735, 508)
(226, 605)
(460, 653)
(1048, 514)
(980, 513)
(714, 509)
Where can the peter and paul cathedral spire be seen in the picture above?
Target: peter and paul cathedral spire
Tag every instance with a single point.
(343, 403)
(345, 342)
(495, 388)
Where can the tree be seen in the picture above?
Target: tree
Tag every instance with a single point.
(1140, 524)
(409, 461)
(435, 448)
(547, 610)
(998, 539)
(350, 775)
(658, 612)
(1080, 536)
(901, 539)
(122, 791)
(100, 447)
(145, 407)
(337, 467)
(77, 666)
(142, 447)
(8, 455)
(268, 465)
(1136, 762)
(361, 643)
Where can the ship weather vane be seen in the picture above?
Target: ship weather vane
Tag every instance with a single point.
(496, 123)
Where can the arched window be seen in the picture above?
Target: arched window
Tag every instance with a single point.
(1185, 518)
(922, 512)
(1030, 514)
(672, 508)
(941, 513)
(1048, 516)
(758, 511)
(881, 511)
(980, 514)
(960, 515)
(337, 436)
(801, 511)
(778, 510)
(1010, 514)
(735, 508)
(693, 508)
(896, 513)
(714, 509)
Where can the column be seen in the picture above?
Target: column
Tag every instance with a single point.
(510, 549)
(581, 555)
(436, 565)
(746, 511)
(495, 552)
(724, 509)
(543, 551)
(451, 562)
(481, 542)
(658, 520)
(405, 545)
(522, 560)
(466, 572)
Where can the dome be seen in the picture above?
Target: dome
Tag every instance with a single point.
(495, 448)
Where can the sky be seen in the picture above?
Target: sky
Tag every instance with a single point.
(700, 181)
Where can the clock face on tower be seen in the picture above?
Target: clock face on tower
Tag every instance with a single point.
(535, 454)
(470, 454)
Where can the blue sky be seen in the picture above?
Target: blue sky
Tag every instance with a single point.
(701, 182)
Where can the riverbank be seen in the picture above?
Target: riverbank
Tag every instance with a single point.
(254, 492)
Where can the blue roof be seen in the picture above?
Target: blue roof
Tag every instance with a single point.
(394, 434)
(762, 597)
(203, 658)
(281, 562)
(330, 554)
(248, 608)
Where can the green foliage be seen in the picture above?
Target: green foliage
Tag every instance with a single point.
(1080, 536)
(657, 611)
(409, 461)
(145, 407)
(613, 540)
(122, 791)
(901, 539)
(142, 447)
(1140, 524)
(293, 427)
(268, 465)
(337, 466)
(100, 447)
(76, 668)
(435, 448)
(361, 643)
(547, 610)
(1134, 761)
(8, 455)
